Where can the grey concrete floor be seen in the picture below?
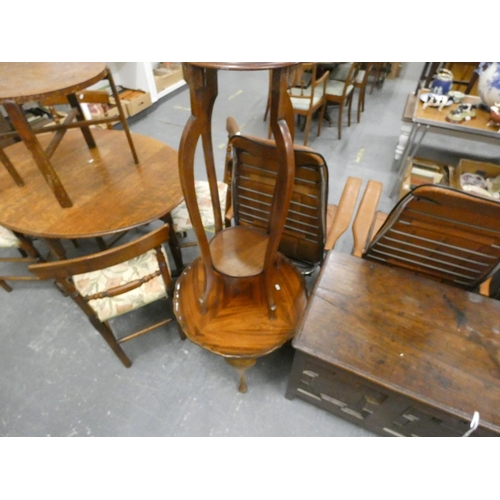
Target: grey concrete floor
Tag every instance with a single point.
(59, 378)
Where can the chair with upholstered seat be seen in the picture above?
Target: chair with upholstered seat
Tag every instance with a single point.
(114, 282)
(378, 73)
(29, 255)
(360, 83)
(340, 93)
(436, 231)
(308, 96)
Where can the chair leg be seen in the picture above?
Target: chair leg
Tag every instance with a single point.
(308, 126)
(105, 330)
(349, 110)
(321, 118)
(6, 287)
(341, 108)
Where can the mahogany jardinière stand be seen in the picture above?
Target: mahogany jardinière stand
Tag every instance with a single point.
(240, 299)
(22, 82)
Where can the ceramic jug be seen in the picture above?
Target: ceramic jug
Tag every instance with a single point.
(443, 80)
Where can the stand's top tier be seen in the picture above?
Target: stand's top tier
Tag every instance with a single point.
(245, 66)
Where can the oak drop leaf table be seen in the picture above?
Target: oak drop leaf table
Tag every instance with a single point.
(23, 82)
(110, 192)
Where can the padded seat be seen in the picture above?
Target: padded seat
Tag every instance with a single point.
(8, 239)
(180, 215)
(139, 267)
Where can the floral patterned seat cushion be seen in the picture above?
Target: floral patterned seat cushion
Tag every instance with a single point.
(120, 274)
(180, 215)
(7, 238)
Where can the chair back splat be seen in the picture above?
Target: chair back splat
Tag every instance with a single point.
(254, 171)
(442, 233)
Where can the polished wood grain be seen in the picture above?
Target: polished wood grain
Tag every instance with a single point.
(24, 82)
(110, 192)
(407, 345)
(239, 251)
(236, 277)
(236, 324)
(31, 81)
(202, 81)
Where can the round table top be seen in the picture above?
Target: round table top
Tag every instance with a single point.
(245, 66)
(110, 193)
(32, 81)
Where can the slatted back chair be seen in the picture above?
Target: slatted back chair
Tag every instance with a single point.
(312, 225)
(29, 254)
(436, 231)
(114, 282)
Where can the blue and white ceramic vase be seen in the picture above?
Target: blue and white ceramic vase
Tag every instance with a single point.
(488, 84)
(442, 82)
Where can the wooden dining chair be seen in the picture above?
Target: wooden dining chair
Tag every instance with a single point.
(114, 282)
(308, 96)
(436, 231)
(360, 83)
(312, 225)
(378, 73)
(340, 93)
(10, 242)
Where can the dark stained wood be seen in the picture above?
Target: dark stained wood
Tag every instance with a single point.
(397, 353)
(244, 66)
(110, 192)
(440, 232)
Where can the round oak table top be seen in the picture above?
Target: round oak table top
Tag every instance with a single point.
(110, 192)
(32, 81)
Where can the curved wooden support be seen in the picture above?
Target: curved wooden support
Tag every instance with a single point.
(241, 365)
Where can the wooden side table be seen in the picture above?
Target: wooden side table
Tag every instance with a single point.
(398, 354)
(25, 82)
(240, 298)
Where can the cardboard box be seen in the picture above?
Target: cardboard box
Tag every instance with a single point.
(470, 166)
(165, 78)
(135, 101)
(423, 171)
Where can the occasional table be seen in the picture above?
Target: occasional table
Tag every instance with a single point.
(110, 192)
(434, 121)
(398, 354)
(22, 82)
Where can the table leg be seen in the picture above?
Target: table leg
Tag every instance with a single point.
(10, 168)
(123, 119)
(410, 151)
(87, 134)
(24, 130)
(174, 245)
